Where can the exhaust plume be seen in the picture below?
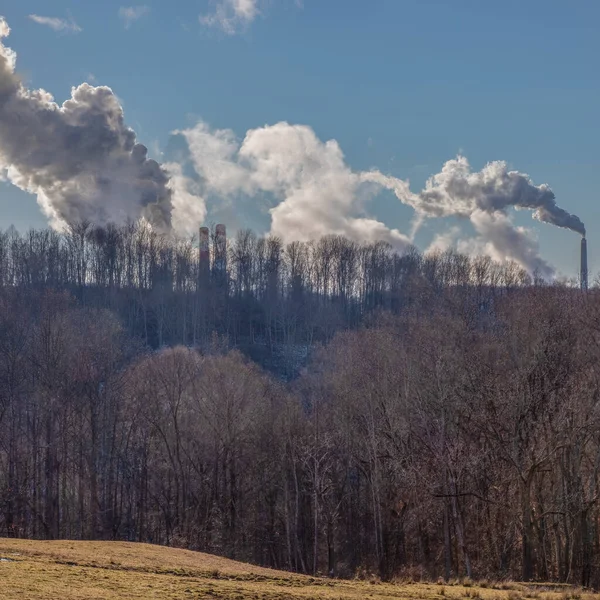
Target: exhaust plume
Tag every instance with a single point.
(484, 198)
(84, 164)
(457, 191)
(80, 159)
(316, 192)
(505, 241)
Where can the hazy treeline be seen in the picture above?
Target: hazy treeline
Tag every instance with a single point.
(271, 300)
(455, 432)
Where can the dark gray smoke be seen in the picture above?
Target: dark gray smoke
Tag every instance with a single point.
(80, 159)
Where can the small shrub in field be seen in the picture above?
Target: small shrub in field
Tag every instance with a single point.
(504, 585)
(467, 582)
(512, 595)
(360, 574)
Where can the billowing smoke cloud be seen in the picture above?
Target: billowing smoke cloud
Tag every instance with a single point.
(484, 198)
(189, 209)
(504, 241)
(457, 191)
(83, 163)
(80, 159)
(317, 192)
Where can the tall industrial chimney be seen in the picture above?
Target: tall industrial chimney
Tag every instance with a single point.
(583, 275)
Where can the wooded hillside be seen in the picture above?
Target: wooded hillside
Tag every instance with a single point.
(433, 416)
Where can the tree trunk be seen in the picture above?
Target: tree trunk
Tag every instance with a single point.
(527, 535)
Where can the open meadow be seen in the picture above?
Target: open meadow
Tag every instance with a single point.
(74, 570)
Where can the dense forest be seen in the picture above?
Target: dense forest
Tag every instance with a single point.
(326, 407)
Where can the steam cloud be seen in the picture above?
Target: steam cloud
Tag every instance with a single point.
(84, 164)
(318, 193)
(80, 159)
(457, 191)
(484, 197)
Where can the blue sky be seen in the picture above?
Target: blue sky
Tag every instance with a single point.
(402, 85)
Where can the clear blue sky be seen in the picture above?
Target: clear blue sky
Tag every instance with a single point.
(403, 85)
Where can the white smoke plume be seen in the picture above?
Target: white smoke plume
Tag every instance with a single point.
(188, 206)
(484, 198)
(444, 240)
(317, 192)
(504, 241)
(457, 190)
(79, 159)
(84, 164)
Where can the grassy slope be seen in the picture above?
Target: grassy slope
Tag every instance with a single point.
(68, 570)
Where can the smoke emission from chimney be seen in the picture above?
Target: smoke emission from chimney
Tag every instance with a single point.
(84, 164)
(80, 159)
(317, 193)
(458, 191)
(484, 198)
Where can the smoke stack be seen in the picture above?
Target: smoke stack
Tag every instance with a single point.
(204, 247)
(583, 276)
(220, 247)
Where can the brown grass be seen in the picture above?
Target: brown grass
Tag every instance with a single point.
(67, 570)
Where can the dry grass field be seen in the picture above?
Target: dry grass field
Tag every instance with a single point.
(68, 570)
